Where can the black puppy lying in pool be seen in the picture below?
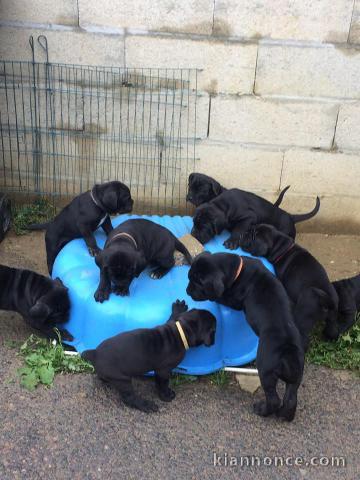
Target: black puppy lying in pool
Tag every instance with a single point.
(129, 249)
(202, 189)
(304, 279)
(244, 283)
(42, 302)
(159, 349)
(348, 290)
(238, 211)
(84, 214)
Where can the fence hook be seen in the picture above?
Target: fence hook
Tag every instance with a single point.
(42, 40)
(31, 42)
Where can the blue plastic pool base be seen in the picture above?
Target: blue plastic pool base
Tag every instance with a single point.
(149, 303)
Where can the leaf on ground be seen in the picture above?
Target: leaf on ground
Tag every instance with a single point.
(46, 374)
(30, 381)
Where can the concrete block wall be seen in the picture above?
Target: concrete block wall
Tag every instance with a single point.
(282, 79)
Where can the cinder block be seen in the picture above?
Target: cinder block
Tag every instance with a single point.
(227, 67)
(348, 127)
(64, 12)
(283, 123)
(187, 16)
(290, 70)
(321, 20)
(65, 46)
(238, 167)
(321, 173)
(354, 36)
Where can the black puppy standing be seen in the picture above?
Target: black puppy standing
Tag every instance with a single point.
(202, 189)
(42, 302)
(348, 290)
(129, 249)
(238, 211)
(243, 283)
(159, 349)
(304, 278)
(84, 214)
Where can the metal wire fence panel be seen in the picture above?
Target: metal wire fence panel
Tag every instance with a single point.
(65, 127)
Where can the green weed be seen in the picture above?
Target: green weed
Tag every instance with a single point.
(342, 354)
(44, 359)
(221, 378)
(177, 379)
(38, 212)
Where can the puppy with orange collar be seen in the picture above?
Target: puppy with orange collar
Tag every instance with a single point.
(243, 283)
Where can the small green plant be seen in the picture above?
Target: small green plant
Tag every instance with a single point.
(342, 354)
(39, 211)
(43, 359)
(177, 379)
(221, 378)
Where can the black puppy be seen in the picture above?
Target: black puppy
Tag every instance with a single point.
(84, 214)
(348, 291)
(159, 349)
(244, 283)
(43, 303)
(304, 279)
(202, 189)
(238, 211)
(129, 249)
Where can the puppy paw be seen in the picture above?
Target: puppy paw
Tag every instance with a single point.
(101, 295)
(231, 243)
(287, 414)
(147, 406)
(261, 408)
(94, 251)
(179, 307)
(167, 395)
(123, 292)
(158, 273)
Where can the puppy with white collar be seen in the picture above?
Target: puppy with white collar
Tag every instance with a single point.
(85, 214)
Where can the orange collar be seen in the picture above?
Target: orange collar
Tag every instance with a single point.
(238, 271)
(284, 253)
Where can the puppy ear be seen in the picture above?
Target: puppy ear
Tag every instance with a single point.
(218, 287)
(110, 200)
(59, 282)
(40, 310)
(209, 339)
(219, 225)
(191, 177)
(216, 187)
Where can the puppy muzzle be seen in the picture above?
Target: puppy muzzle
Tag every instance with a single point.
(194, 294)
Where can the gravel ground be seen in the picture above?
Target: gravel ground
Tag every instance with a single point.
(79, 429)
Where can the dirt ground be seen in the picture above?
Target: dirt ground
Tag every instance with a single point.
(80, 430)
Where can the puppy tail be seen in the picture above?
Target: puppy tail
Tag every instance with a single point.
(89, 356)
(182, 249)
(306, 216)
(281, 196)
(37, 226)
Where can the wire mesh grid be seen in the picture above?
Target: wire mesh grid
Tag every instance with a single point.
(65, 127)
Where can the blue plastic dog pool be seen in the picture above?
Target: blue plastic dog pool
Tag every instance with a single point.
(149, 303)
